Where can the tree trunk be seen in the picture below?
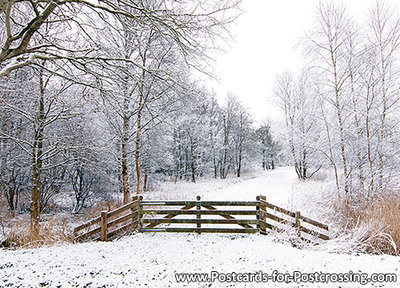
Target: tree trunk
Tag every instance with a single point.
(124, 162)
(381, 137)
(328, 134)
(137, 143)
(145, 179)
(37, 151)
(239, 164)
(139, 117)
(304, 164)
(340, 121)
(125, 141)
(4, 130)
(223, 169)
(371, 188)
(359, 135)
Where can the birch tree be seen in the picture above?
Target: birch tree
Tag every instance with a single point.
(299, 103)
(328, 42)
(385, 37)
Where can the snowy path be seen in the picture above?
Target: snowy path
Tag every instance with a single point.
(277, 185)
(151, 260)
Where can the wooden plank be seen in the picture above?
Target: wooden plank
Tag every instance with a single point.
(120, 229)
(122, 208)
(315, 223)
(303, 229)
(202, 212)
(110, 214)
(277, 219)
(313, 233)
(87, 224)
(208, 203)
(229, 203)
(270, 227)
(279, 209)
(264, 225)
(130, 216)
(293, 214)
(167, 203)
(201, 230)
(123, 228)
(227, 216)
(202, 221)
(88, 234)
(187, 207)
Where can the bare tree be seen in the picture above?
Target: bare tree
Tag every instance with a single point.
(268, 146)
(385, 30)
(328, 42)
(299, 103)
(21, 22)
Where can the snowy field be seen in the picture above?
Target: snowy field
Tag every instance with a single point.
(151, 260)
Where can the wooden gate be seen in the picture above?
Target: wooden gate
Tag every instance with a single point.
(200, 217)
(229, 217)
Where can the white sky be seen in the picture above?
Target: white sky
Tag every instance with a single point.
(266, 38)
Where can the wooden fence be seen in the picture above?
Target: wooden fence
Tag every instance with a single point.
(110, 224)
(277, 218)
(202, 210)
(201, 217)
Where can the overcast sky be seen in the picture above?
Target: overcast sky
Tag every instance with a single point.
(267, 35)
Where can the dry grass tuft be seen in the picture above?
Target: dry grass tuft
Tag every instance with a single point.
(52, 231)
(56, 229)
(373, 221)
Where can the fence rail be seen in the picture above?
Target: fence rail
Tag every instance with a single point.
(293, 219)
(227, 217)
(110, 224)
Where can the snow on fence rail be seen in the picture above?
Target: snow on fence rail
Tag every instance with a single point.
(256, 216)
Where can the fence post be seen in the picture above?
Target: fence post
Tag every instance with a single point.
(198, 216)
(103, 225)
(140, 199)
(135, 211)
(298, 223)
(262, 213)
(258, 212)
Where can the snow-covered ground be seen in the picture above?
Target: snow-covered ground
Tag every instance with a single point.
(277, 185)
(151, 260)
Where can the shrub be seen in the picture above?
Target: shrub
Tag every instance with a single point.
(52, 231)
(373, 221)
